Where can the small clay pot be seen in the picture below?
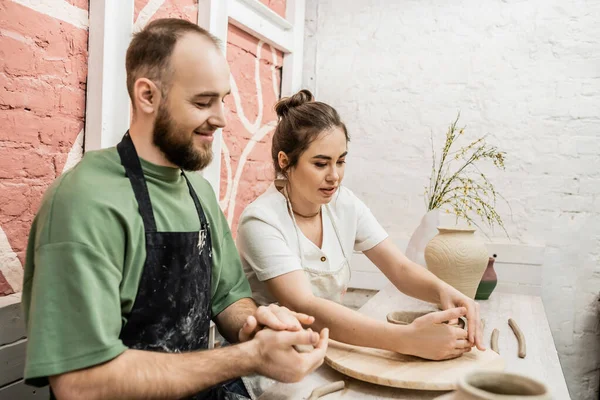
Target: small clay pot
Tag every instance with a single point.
(498, 386)
(407, 317)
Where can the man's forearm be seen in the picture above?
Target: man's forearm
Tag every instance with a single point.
(231, 319)
(139, 374)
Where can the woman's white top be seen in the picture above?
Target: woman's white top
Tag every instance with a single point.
(270, 243)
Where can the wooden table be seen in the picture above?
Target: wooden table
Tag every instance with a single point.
(540, 363)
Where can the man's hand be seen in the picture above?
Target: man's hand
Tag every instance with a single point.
(451, 298)
(280, 361)
(274, 317)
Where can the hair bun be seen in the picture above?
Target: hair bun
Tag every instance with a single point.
(284, 105)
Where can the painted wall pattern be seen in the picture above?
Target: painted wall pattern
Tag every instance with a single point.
(246, 166)
(276, 5)
(43, 72)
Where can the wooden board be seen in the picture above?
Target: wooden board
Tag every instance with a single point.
(388, 368)
(355, 389)
(541, 362)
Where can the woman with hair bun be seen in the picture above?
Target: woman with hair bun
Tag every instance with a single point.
(296, 240)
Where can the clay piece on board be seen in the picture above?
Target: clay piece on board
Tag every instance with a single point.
(404, 317)
(304, 348)
(407, 317)
(326, 389)
(494, 340)
(520, 337)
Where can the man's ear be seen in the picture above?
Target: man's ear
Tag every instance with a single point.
(146, 95)
(282, 160)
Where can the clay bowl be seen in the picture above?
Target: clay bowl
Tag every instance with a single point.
(497, 386)
(407, 317)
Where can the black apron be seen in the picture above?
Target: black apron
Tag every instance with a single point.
(172, 309)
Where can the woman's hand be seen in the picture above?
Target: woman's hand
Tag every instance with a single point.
(450, 298)
(432, 338)
(274, 317)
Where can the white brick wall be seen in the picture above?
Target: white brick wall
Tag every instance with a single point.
(525, 72)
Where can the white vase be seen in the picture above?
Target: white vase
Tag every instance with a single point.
(427, 229)
(458, 257)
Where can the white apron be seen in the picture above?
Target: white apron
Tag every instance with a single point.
(332, 284)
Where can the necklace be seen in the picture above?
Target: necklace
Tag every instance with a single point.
(287, 198)
(306, 216)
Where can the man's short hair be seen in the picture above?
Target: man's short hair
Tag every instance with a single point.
(150, 50)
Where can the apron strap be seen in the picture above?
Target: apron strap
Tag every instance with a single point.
(133, 170)
(201, 215)
(331, 217)
(335, 229)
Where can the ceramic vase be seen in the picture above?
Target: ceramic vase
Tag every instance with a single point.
(427, 229)
(488, 281)
(458, 257)
(498, 386)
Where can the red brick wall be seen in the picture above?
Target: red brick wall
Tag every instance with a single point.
(43, 70)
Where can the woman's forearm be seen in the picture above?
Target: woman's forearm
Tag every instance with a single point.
(415, 281)
(348, 326)
(409, 277)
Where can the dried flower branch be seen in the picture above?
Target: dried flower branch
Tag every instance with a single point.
(466, 191)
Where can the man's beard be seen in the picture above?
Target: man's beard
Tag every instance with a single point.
(173, 143)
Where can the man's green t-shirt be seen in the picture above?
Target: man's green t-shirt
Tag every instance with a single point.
(86, 254)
